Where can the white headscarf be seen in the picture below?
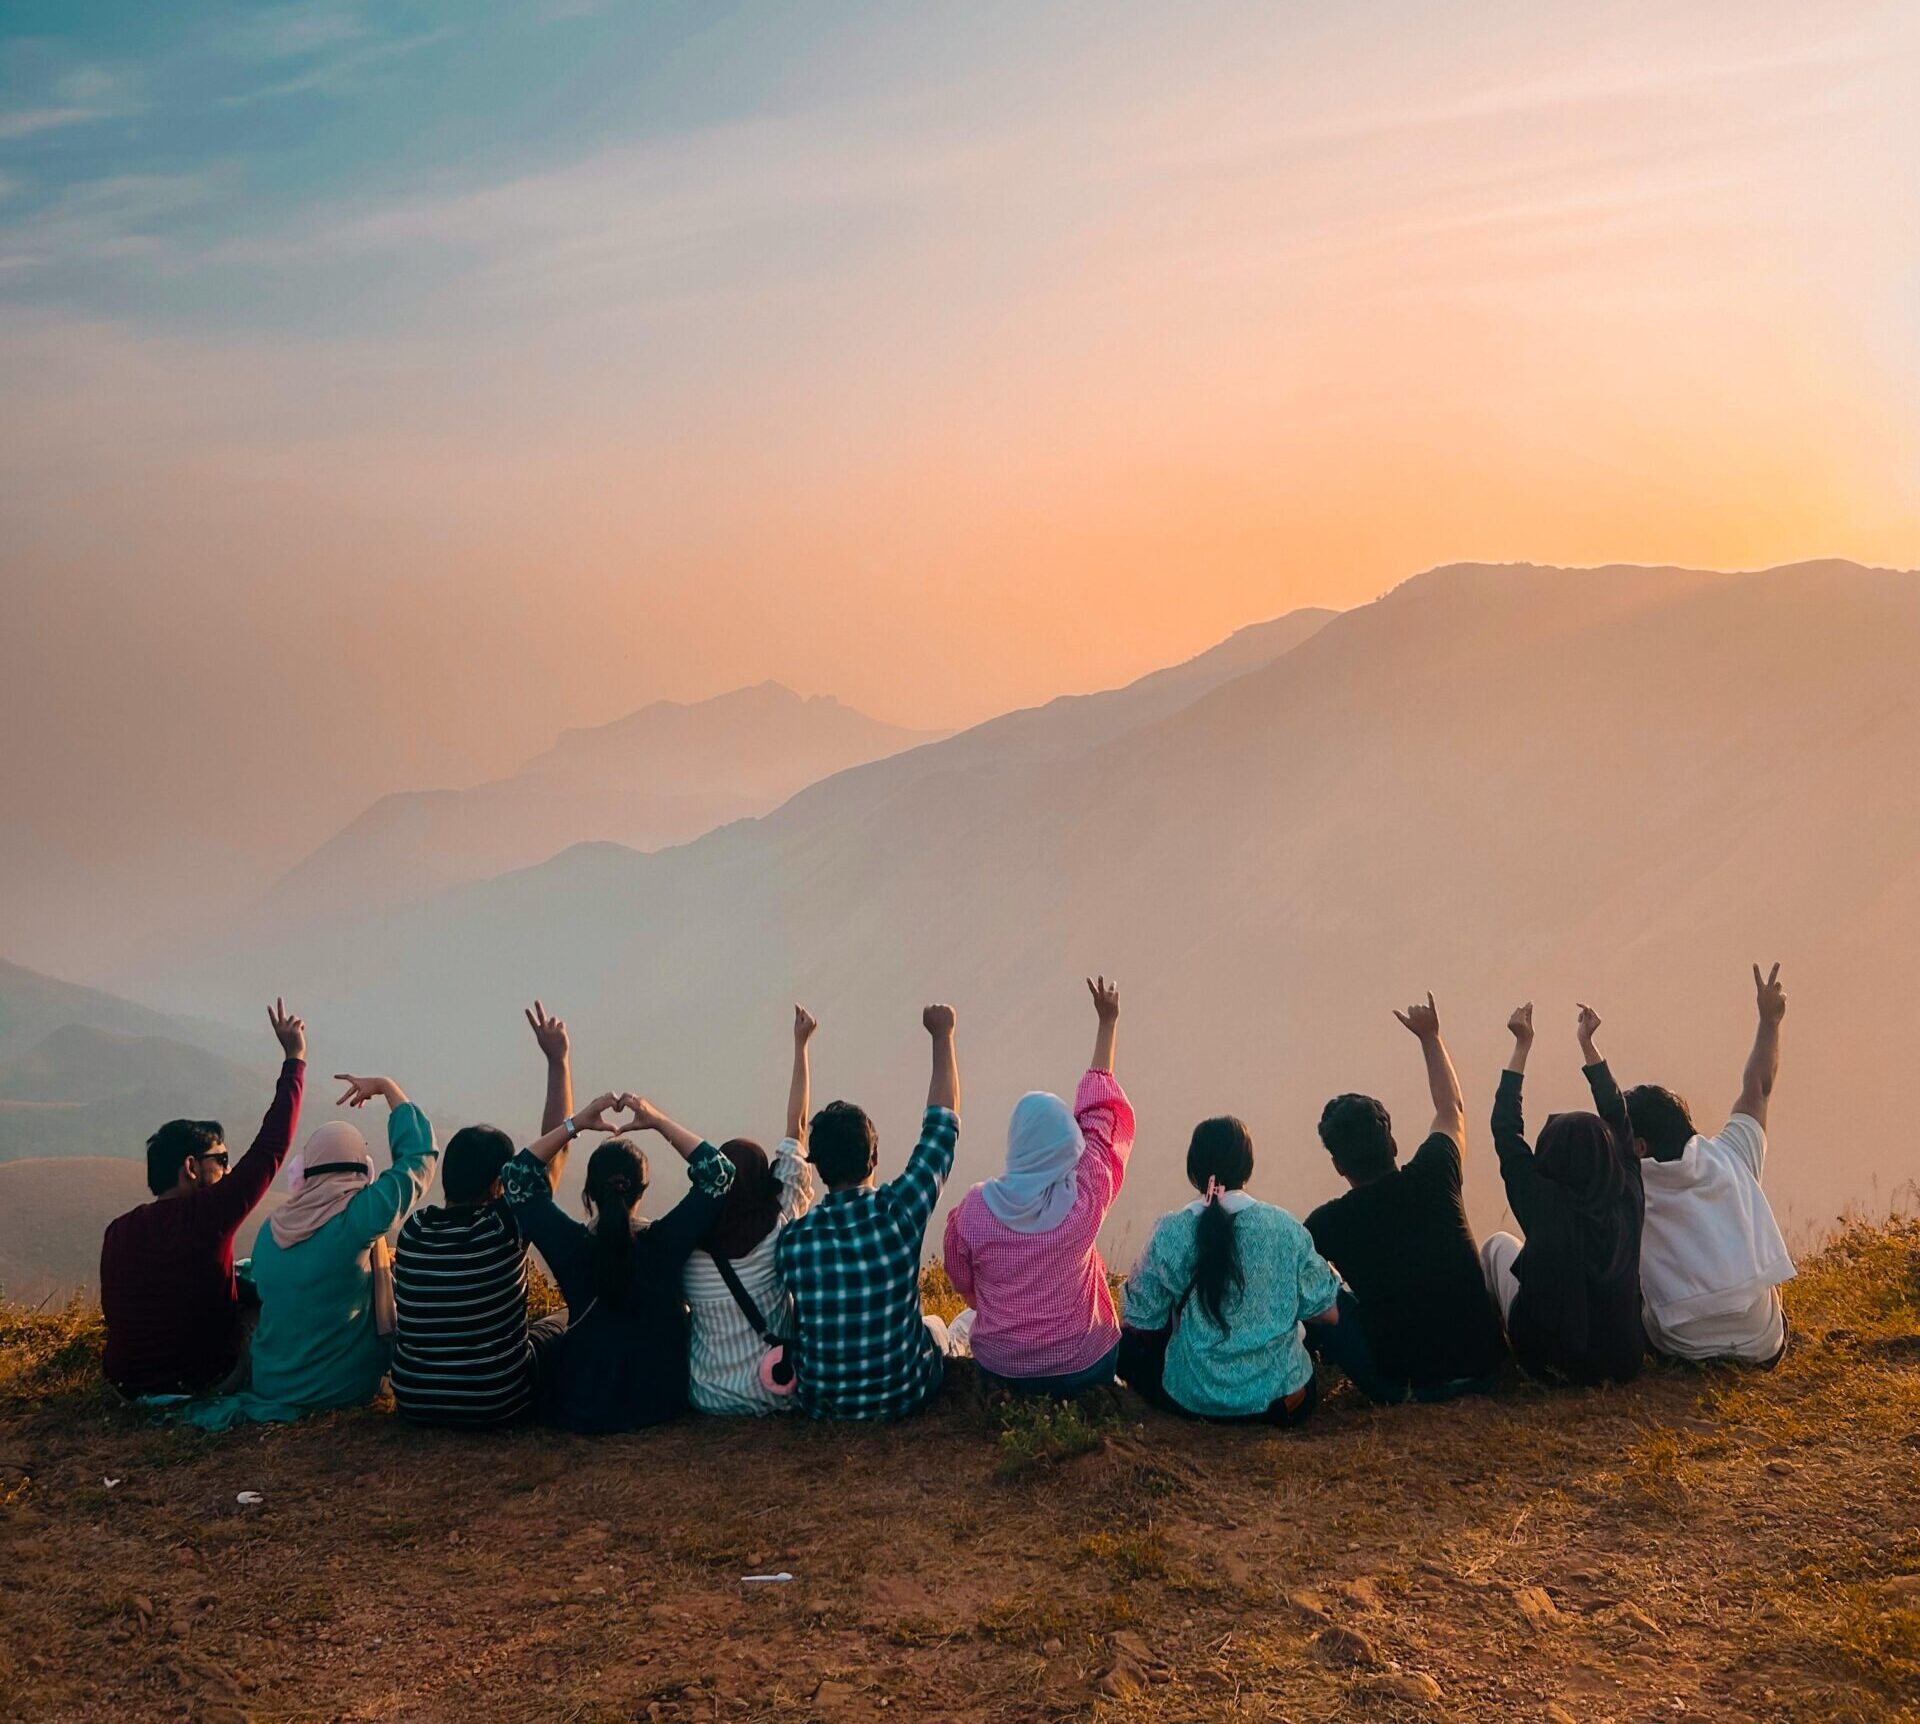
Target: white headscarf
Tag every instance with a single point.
(319, 1199)
(1044, 1146)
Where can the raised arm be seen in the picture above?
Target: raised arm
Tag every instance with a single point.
(1443, 1083)
(380, 1206)
(1106, 1012)
(1763, 1064)
(227, 1203)
(551, 1035)
(1517, 1172)
(943, 1089)
(800, 1089)
(1607, 1099)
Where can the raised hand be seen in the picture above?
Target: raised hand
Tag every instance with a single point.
(1106, 998)
(361, 1090)
(645, 1116)
(1769, 995)
(1585, 1026)
(550, 1033)
(592, 1117)
(1424, 1021)
(291, 1032)
(1520, 1022)
(939, 1020)
(804, 1024)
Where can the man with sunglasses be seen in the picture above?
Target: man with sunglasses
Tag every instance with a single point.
(167, 1286)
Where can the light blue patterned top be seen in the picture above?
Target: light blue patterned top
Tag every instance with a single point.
(1258, 1358)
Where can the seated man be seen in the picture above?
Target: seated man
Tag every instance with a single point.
(167, 1287)
(863, 1349)
(1711, 1256)
(463, 1353)
(1415, 1319)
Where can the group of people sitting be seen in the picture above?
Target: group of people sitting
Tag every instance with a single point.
(792, 1280)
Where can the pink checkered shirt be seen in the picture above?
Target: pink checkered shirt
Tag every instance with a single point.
(1042, 1298)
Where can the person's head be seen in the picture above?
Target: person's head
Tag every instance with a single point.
(185, 1154)
(1358, 1133)
(616, 1181)
(843, 1145)
(751, 1208)
(470, 1166)
(1662, 1122)
(1219, 1160)
(1576, 1150)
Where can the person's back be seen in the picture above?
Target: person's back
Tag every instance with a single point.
(1712, 1257)
(460, 1351)
(1405, 1247)
(318, 1343)
(1253, 1356)
(1416, 1318)
(1021, 1249)
(167, 1285)
(862, 1345)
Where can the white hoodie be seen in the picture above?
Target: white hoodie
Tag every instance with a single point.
(1712, 1255)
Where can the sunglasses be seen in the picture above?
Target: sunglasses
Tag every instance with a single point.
(219, 1157)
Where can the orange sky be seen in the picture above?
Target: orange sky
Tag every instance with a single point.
(962, 364)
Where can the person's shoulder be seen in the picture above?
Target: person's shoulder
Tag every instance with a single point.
(1439, 1154)
(1328, 1217)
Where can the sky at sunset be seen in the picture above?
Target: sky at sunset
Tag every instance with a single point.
(385, 387)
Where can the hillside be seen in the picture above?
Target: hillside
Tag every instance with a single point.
(1621, 785)
(662, 775)
(32, 1006)
(1703, 1545)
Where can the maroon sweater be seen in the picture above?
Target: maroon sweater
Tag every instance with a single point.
(166, 1268)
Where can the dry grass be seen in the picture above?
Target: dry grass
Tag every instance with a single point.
(1703, 1544)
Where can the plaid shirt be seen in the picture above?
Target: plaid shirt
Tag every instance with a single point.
(852, 1264)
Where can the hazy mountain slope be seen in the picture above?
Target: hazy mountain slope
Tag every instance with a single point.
(1621, 785)
(33, 1005)
(661, 775)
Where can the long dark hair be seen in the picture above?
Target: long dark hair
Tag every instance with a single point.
(751, 1209)
(616, 1181)
(1222, 1152)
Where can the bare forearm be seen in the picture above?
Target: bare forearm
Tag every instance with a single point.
(1763, 1067)
(684, 1142)
(1443, 1084)
(1517, 1060)
(1103, 1039)
(559, 1102)
(944, 1088)
(799, 1093)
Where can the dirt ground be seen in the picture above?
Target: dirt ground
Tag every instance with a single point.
(1705, 1545)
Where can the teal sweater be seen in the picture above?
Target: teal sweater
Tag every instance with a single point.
(315, 1345)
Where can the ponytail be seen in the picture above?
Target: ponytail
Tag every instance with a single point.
(616, 1181)
(1219, 1160)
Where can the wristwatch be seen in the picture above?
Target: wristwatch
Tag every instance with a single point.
(572, 1129)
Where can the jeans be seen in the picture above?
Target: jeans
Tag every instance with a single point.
(1345, 1344)
(1063, 1387)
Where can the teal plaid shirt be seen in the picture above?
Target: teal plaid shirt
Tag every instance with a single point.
(852, 1264)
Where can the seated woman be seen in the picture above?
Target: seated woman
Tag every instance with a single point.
(324, 1270)
(1214, 1308)
(1020, 1249)
(622, 1363)
(1571, 1294)
(736, 1302)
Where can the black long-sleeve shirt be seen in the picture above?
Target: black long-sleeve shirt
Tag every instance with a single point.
(1577, 1313)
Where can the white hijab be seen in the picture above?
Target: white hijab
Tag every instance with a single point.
(1044, 1146)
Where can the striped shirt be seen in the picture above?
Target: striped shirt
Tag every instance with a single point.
(725, 1350)
(852, 1264)
(460, 1352)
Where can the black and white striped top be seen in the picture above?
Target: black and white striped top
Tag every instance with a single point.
(460, 1353)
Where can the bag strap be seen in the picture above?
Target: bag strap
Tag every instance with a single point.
(743, 1299)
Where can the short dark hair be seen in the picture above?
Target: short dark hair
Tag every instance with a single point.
(1358, 1133)
(1662, 1118)
(174, 1144)
(842, 1144)
(472, 1161)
